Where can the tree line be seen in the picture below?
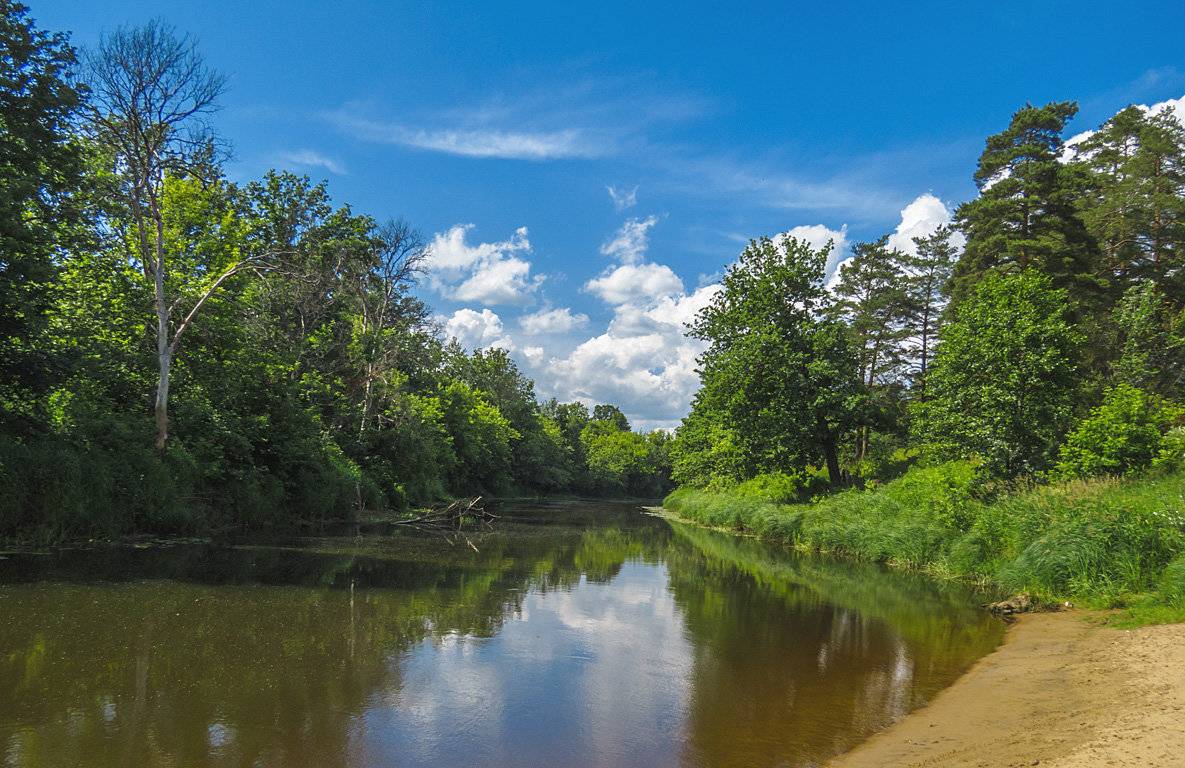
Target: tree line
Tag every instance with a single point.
(1042, 334)
(179, 352)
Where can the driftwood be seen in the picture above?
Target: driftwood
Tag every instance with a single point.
(452, 516)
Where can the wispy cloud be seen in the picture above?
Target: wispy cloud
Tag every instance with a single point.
(568, 117)
(629, 243)
(623, 198)
(308, 158)
(483, 142)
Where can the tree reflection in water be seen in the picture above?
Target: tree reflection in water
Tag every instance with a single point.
(575, 635)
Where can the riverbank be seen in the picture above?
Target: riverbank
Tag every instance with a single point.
(1063, 690)
(1100, 543)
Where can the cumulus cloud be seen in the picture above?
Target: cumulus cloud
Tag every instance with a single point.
(921, 218)
(308, 158)
(545, 321)
(485, 273)
(817, 236)
(623, 198)
(635, 283)
(643, 361)
(630, 242)
(476, 330)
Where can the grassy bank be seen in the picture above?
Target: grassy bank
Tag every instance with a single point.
(1100, 543)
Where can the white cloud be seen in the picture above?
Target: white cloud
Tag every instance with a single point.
(623, 198)
(476, 330)
(559, 320)
(631, 241)
(921, 218)
(635, 284)
(1176, 105)
(308, 158)
(817, 236)
(485, 273)
(478, 141)
(643, 362)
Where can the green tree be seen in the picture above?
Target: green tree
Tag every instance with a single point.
(1121, 435)
(1025, 214)
(149, 91)
(779, 368)
(1151, 343)
(621, 461)
(1004, 377)
(611, 413)
(42, 170)
(1135, 200)
(874, 301)
(705, 452)
(929, 274)
(481, 437)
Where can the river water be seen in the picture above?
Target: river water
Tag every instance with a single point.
(568, 634)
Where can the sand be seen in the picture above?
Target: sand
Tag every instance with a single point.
(1062, 691)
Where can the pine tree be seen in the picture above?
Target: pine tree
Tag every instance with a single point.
(1135, 205)
(874, 300)
(929, 274)
(1025, 216)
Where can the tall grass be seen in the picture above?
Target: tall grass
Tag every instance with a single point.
(1101, 542)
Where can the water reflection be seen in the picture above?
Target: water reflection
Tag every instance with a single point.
(573, 635)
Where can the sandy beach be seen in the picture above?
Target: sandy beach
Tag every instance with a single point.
(1062, 691)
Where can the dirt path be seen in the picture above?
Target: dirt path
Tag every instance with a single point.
(1061, 692)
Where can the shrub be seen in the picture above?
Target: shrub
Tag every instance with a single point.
(1121, 435)
(784, 487)
(1171, 456)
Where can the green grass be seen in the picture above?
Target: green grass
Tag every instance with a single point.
(1100, 543)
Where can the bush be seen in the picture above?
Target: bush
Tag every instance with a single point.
(1171, 456)
(784, 487)
(1123, 434)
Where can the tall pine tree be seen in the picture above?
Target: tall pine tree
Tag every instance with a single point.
(1025, 215)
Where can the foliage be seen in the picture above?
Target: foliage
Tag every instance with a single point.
(310, 385)
(1121, 435)
(1002, 385)
(41, 196)
(1099, 541)
(1024, 216)
(779, 372)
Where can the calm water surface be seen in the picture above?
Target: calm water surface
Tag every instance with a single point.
(575, 635)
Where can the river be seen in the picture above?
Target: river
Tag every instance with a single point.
(566, 634)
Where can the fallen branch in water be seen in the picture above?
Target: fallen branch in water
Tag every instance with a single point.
(452, 515)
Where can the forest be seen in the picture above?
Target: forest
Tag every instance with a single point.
(1001, 401)
(182, 354)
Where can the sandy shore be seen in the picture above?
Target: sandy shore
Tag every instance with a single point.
(1061, 691)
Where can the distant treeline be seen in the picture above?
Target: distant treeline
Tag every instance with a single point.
(179, 353)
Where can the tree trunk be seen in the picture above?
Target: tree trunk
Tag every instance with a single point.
(165, 361)
(164, 353)
(832, 458)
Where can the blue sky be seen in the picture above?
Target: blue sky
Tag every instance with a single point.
(499, 130)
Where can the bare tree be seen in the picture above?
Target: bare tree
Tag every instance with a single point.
(150, 94)
(399, 254)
